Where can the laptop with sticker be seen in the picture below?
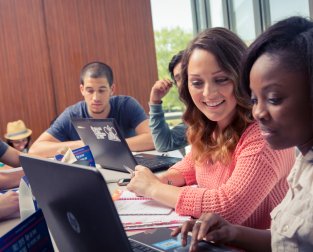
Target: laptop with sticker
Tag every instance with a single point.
(110, 149)
(79, 210)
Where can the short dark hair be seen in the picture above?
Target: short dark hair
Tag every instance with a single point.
(176, 59)
(96, 69)
(291, 41)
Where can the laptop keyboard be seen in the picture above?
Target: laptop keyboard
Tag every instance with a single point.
(155, 162)
(137, 247)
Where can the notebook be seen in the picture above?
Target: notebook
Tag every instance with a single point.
(129, 204)
(110, 149)
(139, 222)
(80, 213)
(135, 213)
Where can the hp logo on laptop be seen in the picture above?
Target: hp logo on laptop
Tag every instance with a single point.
(73, 222)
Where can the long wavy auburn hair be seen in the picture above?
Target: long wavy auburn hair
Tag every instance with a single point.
(208, 142)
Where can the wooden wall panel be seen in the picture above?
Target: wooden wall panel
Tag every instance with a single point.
(117, 32)
(44, 44)
(25, 74)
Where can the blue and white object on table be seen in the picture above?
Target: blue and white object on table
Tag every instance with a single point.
(81, 154)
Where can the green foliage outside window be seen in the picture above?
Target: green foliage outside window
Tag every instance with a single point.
(168, 42)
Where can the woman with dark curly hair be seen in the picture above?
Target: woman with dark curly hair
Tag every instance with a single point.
(231, 170)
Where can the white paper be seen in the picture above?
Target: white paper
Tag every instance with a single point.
(69, 157)
(139, 207)
(26, 201)
(152, 221)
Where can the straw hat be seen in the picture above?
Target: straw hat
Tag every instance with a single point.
(17, 130)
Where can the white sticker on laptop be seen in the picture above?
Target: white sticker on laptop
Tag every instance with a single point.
(106, 131)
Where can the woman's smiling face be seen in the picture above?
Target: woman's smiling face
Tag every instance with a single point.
(211, 88)
(281, 103)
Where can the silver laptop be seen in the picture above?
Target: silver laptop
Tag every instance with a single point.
(110, 149)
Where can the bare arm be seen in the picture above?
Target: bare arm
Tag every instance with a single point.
(8, 204)
(165, 194)
(159, 90)
(10, 180)
(143, 139)
(47, 146)
(172, 177)
(163, 189)
(11, 157)
(252, 239)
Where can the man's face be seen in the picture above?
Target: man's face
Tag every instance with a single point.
(177, 74)
(97, 92)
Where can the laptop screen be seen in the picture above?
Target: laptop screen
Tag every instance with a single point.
(107, 144)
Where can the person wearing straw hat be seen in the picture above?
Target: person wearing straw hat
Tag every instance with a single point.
(18, 136)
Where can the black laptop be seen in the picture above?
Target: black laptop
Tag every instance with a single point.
(110, 149)
(80, 213)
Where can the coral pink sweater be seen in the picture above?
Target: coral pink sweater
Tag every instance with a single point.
(243, 192)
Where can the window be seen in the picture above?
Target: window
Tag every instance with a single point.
(173, 29)
(247, 18)
(171, 14)
(217, 14)
(242, 21)
(290, 8)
